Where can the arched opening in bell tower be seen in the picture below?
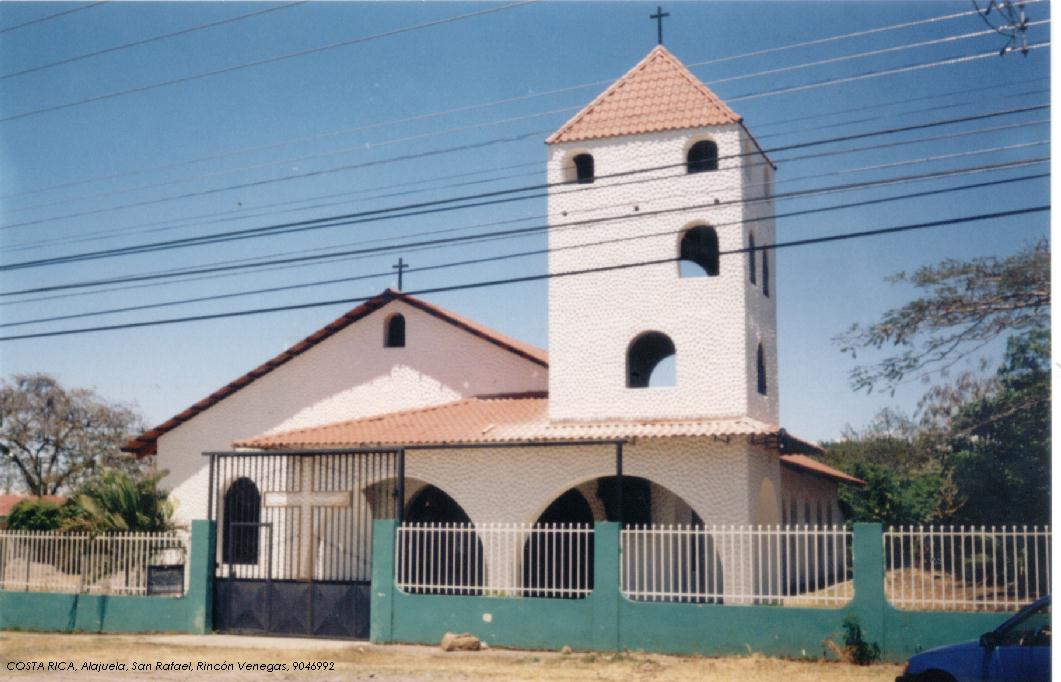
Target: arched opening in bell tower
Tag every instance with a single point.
(650, 361)
(698, 252)
(702, 156)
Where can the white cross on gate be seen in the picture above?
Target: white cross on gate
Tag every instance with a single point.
(305, 499)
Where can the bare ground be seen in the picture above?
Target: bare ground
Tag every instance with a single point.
(361, 661)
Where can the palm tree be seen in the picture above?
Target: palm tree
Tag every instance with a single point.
(117, 502)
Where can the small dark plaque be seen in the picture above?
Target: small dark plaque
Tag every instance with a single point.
(165, 579)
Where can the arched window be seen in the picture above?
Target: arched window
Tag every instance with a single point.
(239, 537)
(644, 356)
(751, 256)
(766, 274)
(702, 156)
(698, 252)
(394, 335)
(760, 371)
(583, 168)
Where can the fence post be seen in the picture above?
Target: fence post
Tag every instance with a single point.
(868, 575)
(381, 625)
(201, 575)
(606, 595)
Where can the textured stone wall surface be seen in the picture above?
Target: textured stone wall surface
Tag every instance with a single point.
(714, 322)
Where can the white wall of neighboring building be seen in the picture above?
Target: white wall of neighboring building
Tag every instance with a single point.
(805, 494)
(347, 376)
(594, 317)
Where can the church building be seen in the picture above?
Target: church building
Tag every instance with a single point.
(657, 402)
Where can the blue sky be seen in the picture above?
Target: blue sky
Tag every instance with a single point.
(69, 176)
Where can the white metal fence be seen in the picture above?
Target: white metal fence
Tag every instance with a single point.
(38, 561)
(958, 568)
(549, 560)
(787, 565)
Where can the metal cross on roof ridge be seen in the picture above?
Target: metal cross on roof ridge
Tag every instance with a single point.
(658, 16)
(400, 267)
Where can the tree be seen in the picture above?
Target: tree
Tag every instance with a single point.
(118, 502)
(903, 483)
(979, 452)
(54, 439)
(966, 305)
(1001, 441)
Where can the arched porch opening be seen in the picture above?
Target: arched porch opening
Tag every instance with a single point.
(446, 545)
(676, 563)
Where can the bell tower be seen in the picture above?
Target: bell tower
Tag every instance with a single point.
(658, 168)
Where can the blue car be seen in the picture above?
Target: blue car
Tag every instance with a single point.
(1016, 651)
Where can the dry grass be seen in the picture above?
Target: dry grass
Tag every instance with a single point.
(358, 661)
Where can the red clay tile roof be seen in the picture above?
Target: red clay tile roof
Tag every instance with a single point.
(657, 94)
(514, 418)
(7, 502)
(147, 442)
(813, 466)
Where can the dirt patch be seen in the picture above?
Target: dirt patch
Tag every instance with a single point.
(360, 661)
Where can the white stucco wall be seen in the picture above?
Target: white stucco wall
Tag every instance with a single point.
(714, 322)
(347, 376)
(712, 477)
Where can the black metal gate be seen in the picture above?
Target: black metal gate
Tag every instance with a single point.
(294, 538)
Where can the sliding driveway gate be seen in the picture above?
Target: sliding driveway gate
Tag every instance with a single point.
(294, 540)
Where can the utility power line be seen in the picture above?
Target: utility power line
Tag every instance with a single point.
(49, 17)
(268, 60)
(145, 41)
(509, 100)
(258, 211)
(875, 74)
(509, 256)
(681, 194)
(530, 230)
(531, 278)
(453, 203)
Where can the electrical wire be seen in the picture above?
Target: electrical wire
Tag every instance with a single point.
(535, 229)
(145, 41)
(538, 277)
(521, 254)
(472, 107)
(268, 60)
(50, 17)
(453, 203)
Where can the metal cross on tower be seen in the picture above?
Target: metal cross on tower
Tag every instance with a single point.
(658, 16)
(400, 267)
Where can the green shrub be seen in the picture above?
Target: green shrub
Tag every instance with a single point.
(35, 515)
(859, 651)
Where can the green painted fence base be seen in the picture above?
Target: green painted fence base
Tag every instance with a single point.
(104, 613)
(607, 621)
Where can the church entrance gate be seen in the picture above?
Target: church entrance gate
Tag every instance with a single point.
(294, 538)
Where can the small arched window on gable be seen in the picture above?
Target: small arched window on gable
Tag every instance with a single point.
(760, 370)
(394, 331)
(698, 252)
(583, 168)
(766, 274)
(751, 256)
(702, 156)
(239, 537)
(649, 361)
